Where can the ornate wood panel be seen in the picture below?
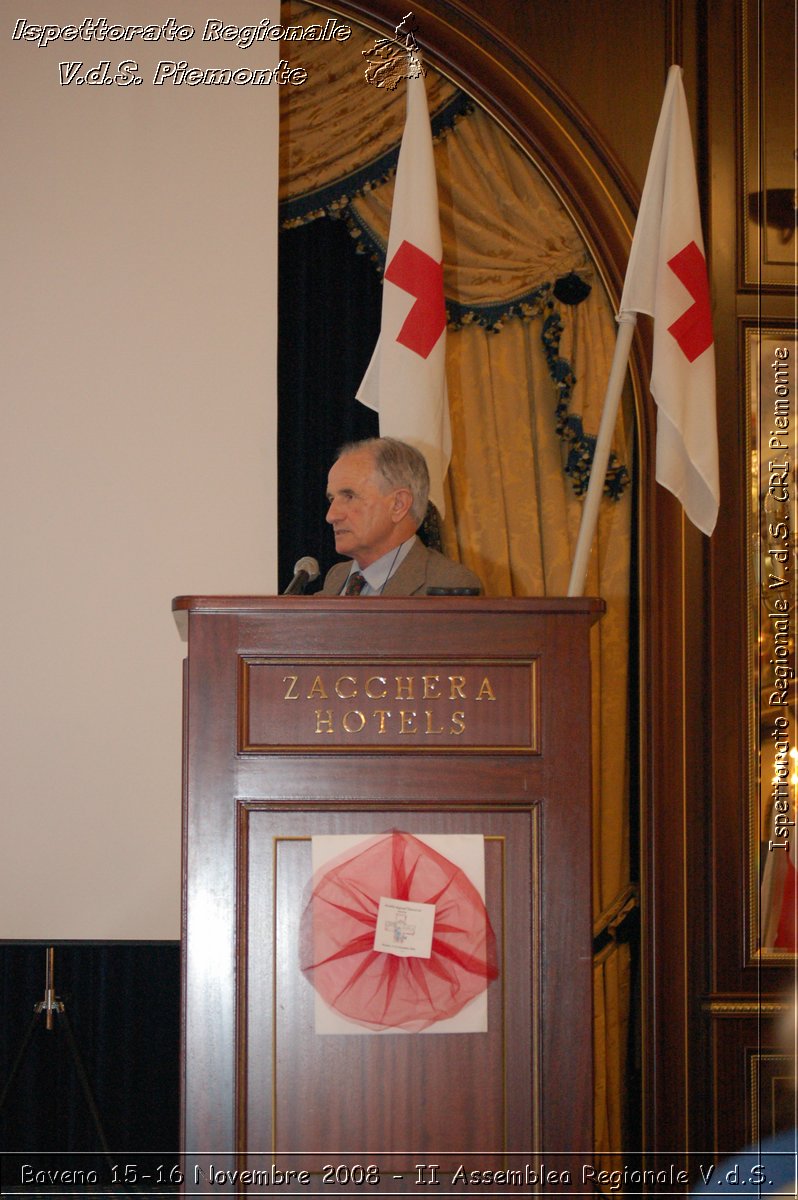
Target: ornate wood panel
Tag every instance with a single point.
(754, 289)
(260, 1086)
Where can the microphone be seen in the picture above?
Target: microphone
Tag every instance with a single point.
(305, 571)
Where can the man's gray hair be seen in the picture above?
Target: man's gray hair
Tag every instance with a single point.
(400, 466)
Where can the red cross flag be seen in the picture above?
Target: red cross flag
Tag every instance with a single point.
(667, 278)
(406, 378)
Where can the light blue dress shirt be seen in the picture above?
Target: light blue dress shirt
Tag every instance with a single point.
(380, 571)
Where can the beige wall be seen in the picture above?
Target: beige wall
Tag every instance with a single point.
(138, 450)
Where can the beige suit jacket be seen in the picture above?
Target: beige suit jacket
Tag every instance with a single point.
(421, 569)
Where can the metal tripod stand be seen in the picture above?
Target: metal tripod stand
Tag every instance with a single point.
(55, 1015)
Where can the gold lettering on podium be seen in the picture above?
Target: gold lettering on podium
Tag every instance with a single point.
(324, 724)
(406, 720)
(414, 705)
(354, 721)
(458, 723)
(429, 728)
(347, 695)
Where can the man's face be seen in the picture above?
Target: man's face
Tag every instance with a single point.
(361, 513)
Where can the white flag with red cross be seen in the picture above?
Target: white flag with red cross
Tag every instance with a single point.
(406, 379)
(667, 278)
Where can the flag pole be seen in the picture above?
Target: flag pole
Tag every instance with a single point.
(601, 455)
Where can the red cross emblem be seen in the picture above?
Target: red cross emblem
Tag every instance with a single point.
(416, 272)
(693, 329)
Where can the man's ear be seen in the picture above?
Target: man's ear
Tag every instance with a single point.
(402, 503)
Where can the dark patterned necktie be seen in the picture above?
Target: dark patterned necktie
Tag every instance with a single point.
(355, 584)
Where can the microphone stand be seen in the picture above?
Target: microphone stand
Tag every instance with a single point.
(298, 584)
(305, 571)
(52, 1008)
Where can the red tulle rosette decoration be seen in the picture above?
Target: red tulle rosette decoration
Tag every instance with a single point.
(383, 991)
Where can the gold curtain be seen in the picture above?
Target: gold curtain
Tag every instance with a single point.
(512, 514)
(334, 125)
(502, 235)
(513, 517)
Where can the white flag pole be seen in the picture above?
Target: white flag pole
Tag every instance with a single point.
(601, 455)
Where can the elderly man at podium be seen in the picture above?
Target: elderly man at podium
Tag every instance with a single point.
(377, 492)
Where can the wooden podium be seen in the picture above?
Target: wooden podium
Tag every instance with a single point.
(446, 715)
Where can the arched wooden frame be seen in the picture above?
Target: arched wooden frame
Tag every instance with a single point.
(672, 600)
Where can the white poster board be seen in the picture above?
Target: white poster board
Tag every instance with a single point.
(139, 254)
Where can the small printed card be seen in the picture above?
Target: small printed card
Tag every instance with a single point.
(404, 928)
